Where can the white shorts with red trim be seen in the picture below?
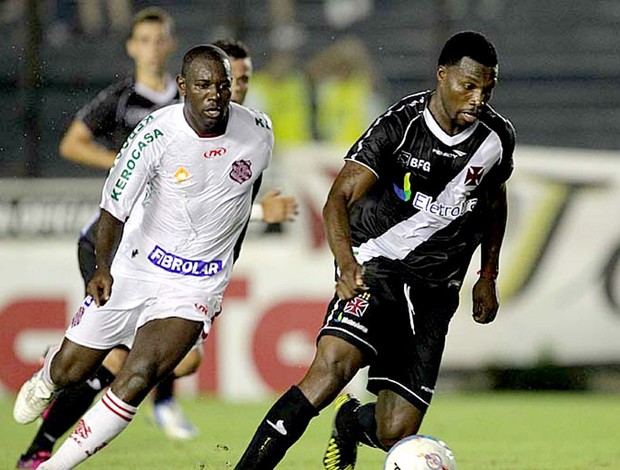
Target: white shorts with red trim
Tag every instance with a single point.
(133, 303)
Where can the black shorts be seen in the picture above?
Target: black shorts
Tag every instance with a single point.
(86, 253)
(400, 325)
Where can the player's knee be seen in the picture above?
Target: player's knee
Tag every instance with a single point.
(132, 386)
(393, 428)
(135, 380)
(66, 371)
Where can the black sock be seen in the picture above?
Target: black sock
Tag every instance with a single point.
(164, 389)
(366, 425)
(283, 425)
(68, 406)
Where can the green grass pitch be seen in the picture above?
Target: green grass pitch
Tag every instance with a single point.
(499, 431)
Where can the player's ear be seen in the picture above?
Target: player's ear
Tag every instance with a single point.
(181, 84)
(441, 73)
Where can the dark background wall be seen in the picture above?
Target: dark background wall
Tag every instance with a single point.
(559, 72)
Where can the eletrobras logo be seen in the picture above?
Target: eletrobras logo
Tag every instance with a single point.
(425, 203)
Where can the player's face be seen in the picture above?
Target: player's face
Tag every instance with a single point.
(241, 74)
(207, 92)
(150, 45)
(462, 91)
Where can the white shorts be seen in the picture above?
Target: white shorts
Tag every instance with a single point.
(132, 304)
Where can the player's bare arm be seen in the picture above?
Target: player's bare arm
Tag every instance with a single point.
(353, 181)
(109, 232)
(78, 145)
(485, 299)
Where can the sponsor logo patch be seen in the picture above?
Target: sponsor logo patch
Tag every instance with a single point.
(405, 193)
(185, 267)
(451, 154)
(181, 174)
(218, 152)
(132, 159)
(408, 160)
(425, 203)
(241, 171)
(347, 321)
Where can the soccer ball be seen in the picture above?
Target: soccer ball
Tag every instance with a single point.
(420, 452)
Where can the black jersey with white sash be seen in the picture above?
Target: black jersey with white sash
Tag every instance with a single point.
(426, 213)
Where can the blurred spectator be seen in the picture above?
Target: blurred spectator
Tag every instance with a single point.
(342, 78)
(343, 13)
(93, 14)
(333, 97)
(281, 90)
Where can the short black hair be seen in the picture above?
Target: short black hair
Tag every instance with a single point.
(470, 44)
(235, 48)
(152, 15)
(205, 51)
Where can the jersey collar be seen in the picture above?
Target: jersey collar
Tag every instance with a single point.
(437, 131)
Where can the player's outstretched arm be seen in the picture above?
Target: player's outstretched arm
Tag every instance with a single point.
(79, 146)
(278, 208)
(353, 181)
(109, 232)
(485, 298)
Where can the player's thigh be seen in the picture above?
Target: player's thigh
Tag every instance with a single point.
(396, 418)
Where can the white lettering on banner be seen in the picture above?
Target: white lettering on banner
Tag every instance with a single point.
(20, 217)
(559, 202)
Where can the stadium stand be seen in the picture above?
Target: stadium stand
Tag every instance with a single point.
(559, 73)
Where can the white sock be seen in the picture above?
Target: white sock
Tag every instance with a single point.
(102, 423)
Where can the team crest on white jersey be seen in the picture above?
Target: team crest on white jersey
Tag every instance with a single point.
(241, 171)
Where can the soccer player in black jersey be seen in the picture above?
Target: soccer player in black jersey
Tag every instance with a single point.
(420, 190)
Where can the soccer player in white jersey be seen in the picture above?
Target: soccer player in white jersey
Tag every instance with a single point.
(203, 160)
(149, 25)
